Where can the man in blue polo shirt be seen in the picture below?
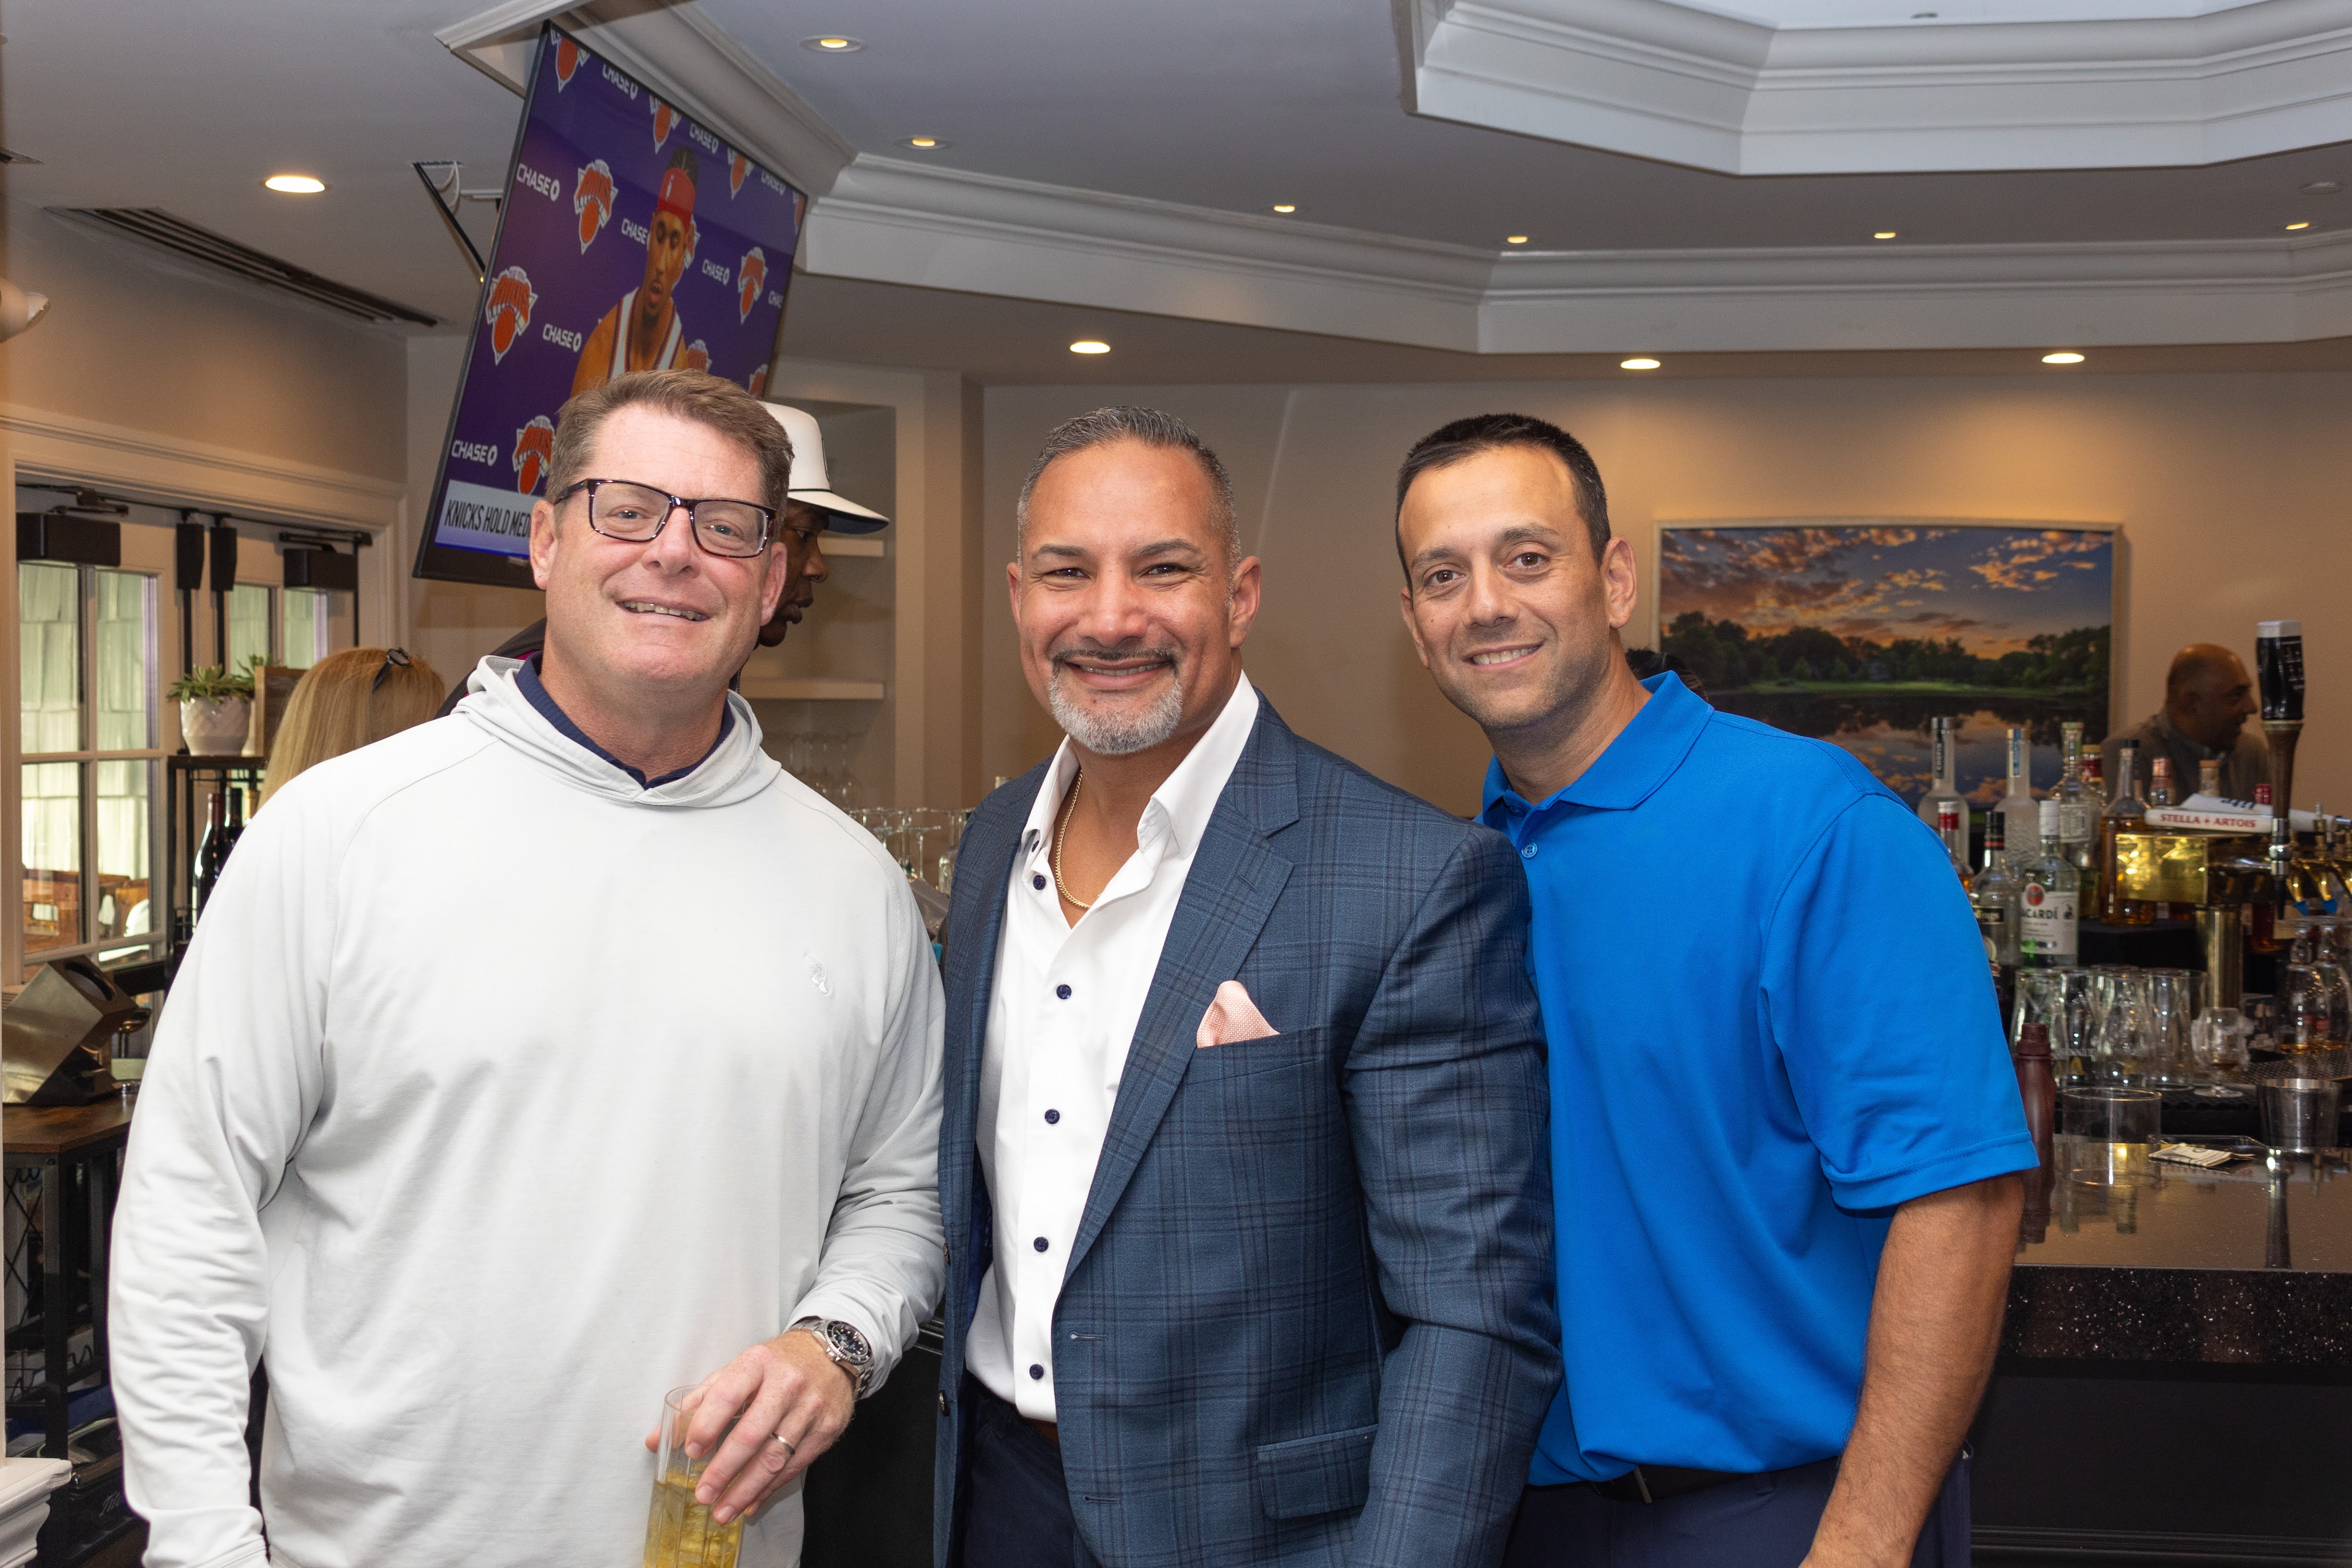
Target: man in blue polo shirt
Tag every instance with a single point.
(1784, 1125)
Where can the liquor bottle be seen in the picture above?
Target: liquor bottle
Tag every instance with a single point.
(2096, 788)
(1951, 826)
(2272, 925)
(234, 828)
(2078, 815)
(1994, 894)
(1944, 788)
(2022, 819)
(2208, 778)
(2159, 793)
(2048, 890)
(209, 850)
(2126, 812)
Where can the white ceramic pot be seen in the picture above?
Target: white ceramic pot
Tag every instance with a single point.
(216, 727)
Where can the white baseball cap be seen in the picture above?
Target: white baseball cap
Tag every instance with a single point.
(809, 485)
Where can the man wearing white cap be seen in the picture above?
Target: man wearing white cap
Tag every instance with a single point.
(811, 507)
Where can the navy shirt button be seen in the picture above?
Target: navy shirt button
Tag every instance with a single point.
(1063, 991)
(1040, 1244)
(1036, 1373)
(1038, 883)
(1052, 1117)
(1528, 853)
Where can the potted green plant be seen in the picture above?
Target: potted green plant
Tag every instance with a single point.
(216, 708)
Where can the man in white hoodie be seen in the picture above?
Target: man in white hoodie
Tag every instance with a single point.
(533, 1062)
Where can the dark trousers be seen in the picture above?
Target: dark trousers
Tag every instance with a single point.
(1019, 1511)
(1767, 1522)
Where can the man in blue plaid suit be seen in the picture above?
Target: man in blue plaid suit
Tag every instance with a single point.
(1243, 1155)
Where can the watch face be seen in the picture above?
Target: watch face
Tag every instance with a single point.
(849, 1343)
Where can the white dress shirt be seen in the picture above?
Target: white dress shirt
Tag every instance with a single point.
(1061, 1014)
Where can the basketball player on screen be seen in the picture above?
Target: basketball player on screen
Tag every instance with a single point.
(642, 331)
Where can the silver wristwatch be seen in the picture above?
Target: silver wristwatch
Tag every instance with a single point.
(847, 1345)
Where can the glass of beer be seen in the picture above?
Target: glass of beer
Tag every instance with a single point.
(679, 1533)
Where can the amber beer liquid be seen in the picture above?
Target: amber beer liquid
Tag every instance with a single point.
(678, 1532)
(679, 1535)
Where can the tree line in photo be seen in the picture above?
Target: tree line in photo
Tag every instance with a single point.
(1728, 657)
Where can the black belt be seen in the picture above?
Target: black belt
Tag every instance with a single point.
(1656, 1483)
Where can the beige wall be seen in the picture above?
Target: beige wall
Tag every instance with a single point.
(2231, 492)
(145, 342)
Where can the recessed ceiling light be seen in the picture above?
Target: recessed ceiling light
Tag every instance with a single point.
(2063, 356)
(1515, 239)
(295, 184)
(926, 143)
(2323, 187)
(1884, 234)
(832, 44)
(2293, 227)
(1090, 346)
(1283, 207)
(1642, 363)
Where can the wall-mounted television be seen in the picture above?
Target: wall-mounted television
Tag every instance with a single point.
(631, 237)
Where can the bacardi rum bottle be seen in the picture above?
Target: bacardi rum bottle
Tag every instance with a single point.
(2048, 890)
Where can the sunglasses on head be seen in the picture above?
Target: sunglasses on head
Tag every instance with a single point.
(392, 656)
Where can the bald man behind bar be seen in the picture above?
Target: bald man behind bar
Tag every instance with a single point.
(2207, 698)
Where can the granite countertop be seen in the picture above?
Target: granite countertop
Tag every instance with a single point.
(2248, 1265)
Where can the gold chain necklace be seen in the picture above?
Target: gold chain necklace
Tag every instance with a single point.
(1069, 809)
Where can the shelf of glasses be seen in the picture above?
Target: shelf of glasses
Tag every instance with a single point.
(792, 690)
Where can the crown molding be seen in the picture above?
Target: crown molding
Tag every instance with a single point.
(682, 55)
(889, 221)
(1662, 79)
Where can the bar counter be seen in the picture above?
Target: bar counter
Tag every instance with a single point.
(2176, 1370)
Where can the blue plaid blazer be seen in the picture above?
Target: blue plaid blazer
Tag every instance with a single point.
(1307, 1316)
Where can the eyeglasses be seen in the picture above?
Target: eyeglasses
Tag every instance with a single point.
(637, 513)
(392, 656)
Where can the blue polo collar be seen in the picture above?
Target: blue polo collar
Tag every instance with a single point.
(527, 680)
(1628, 770)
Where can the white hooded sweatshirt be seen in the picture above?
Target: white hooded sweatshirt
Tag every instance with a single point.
(497, 1095)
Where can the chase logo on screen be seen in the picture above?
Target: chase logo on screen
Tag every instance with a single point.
(508, 310)
(567, 62)
(665, 122)
(534, 449)
(592, 198)
(738, 166)
(696, 356)
(750, 277)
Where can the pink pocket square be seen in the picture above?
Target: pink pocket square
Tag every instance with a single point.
(1232, 1018)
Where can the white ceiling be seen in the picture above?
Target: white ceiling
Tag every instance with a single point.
(1120, 157)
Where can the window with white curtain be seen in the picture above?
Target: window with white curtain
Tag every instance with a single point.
(91, 756)
(304, 640)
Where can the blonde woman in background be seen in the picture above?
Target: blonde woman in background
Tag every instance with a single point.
(347, 700)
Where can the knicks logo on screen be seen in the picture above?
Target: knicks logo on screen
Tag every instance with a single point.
(508, 310)
(665, 122)
(738, 166)
(750, 277)
(534, 449)
(696, 356)
(592, 198)
(567, 62)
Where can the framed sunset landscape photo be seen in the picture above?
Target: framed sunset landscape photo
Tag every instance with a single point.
(1861, 631)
